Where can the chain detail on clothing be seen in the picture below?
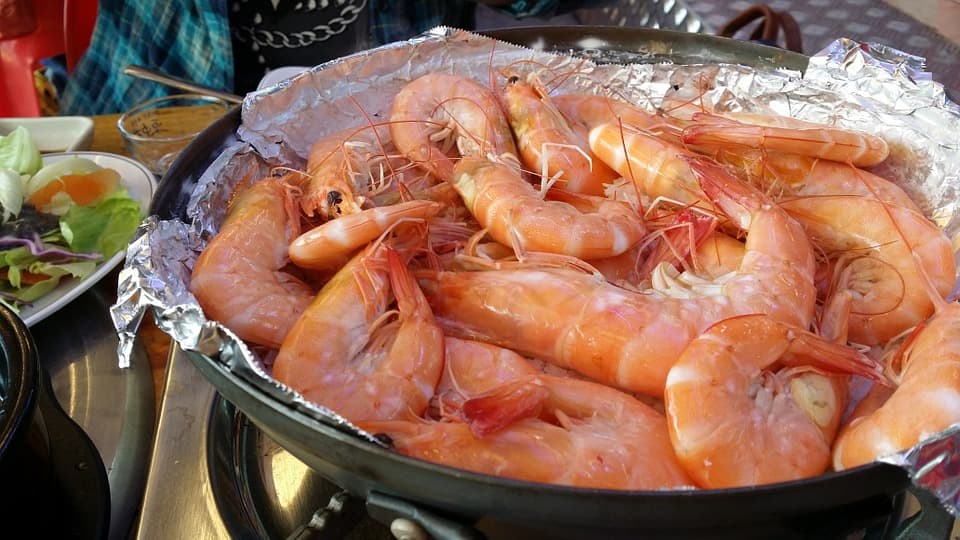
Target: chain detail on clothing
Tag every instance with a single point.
(322, 32)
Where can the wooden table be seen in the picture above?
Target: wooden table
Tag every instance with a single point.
(106, 138)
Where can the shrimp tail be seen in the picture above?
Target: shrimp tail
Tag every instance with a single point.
(808, 349)
(504, 405)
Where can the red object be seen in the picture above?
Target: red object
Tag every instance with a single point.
(82, 15)
(20, 57)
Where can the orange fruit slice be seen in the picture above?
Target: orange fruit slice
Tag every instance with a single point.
(83, 189)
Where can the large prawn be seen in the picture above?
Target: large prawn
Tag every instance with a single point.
(342, 354)
(623, 338)
(330, 245)
(926, 396)
(547, 143)
(584, 112)
(658, 168)
(781, 133)
(518, 215)
(345, 169)
(240, 278)
(884, 251)
(882, 242)
(438, 118)
(541, 428)
(782, 174)
(736, 421)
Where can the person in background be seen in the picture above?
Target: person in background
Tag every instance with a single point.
(231, 44)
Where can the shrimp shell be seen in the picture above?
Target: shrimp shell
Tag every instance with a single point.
(731, 423)
(787, 135)
(335, 356)
(432, 112)
(925, 403)
(548, 144)
(240, 280)
(516, 215)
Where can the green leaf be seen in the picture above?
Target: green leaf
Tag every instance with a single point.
(105, 228)
(19, 152)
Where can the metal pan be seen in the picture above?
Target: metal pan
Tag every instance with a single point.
(453, 503)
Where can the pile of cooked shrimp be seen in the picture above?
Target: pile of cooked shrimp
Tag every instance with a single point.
(569, 289)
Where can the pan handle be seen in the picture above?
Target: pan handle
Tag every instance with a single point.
(409, 522)
(931, 522)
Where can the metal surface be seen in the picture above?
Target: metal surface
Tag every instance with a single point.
(264, 491)
(606, 44)
(78, 348)
(141, 72)
(663, 14)
(177, 501)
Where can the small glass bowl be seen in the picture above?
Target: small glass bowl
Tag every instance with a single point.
(156, 130)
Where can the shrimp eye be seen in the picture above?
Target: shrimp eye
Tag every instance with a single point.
(385, 439)
(334, 198)
(513, 79)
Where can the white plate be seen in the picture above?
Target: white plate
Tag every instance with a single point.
(54, 133)
(140, 184)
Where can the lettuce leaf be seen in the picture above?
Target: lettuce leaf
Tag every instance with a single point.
(105, 228)
(19, 260)
(11, 193)
(19, 152)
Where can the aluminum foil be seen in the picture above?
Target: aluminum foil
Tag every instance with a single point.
(861, 86)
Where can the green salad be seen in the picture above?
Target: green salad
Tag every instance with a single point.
(56, 221)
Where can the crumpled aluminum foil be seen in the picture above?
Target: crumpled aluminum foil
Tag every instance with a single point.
(862, 86)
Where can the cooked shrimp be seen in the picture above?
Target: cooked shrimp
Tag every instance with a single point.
(548, 145)
(239, 278)
(343, 169)
(884, 251)
(340, 353)
(656, 167)
(785, 175)
(517, 215)
(925, 402)
(787, 135)
(544, 428)
(584, 112)
(734, 421)
(332, 244)
(438, 118)
(623, 338)
(871, 226)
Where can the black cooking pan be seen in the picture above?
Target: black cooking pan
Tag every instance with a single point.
(458, 504)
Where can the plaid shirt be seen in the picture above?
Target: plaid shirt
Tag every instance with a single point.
(190, 39)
